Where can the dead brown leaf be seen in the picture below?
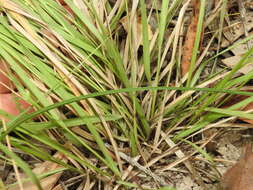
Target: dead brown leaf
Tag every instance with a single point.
(238, 98)
(236, 30)
(190, 38)
(5, 83)
(232, 61)
(240, 176)
(49, 182)
(249, 4)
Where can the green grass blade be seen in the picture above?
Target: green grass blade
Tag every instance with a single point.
(145, 39)
(21, 164)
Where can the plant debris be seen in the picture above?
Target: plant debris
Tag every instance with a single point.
(190, 38)
(240, 176)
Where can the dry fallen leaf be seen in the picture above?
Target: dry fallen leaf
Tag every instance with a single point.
(232, 61)
(249, 4)
(240, 49)
(240, 176)
(49, 182)
(236, 30)
(238, 98)
(190, 38)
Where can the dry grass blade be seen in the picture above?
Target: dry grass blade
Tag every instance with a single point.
(183, 159)
(24, 28)
(179, 153)
(170, 66)
(9, 5)
(6, 85)
(138, 38)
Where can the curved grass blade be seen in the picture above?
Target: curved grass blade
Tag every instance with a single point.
(24, 117)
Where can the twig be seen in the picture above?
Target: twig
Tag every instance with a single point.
(133, 162)
(243, 19)
(13, 161)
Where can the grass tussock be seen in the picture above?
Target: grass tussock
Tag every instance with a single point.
(104, 79)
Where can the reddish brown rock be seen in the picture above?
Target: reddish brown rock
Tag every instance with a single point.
(12, 104)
